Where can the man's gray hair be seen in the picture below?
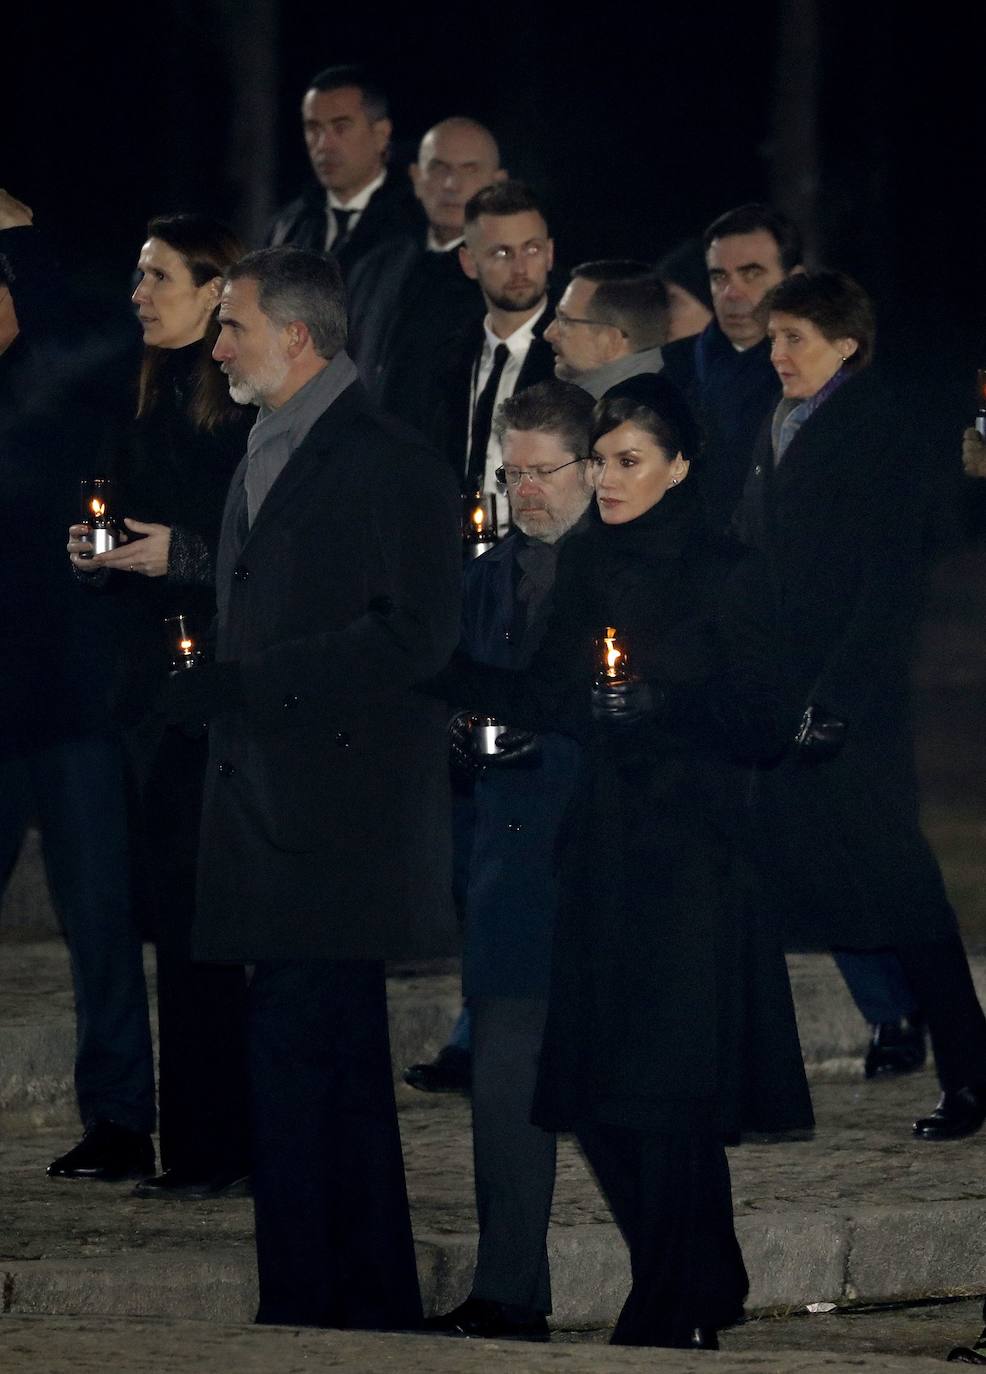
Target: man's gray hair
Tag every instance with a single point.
(551, 407)
(293, 284)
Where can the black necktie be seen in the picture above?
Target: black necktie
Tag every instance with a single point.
(342, 218)
(482, 421)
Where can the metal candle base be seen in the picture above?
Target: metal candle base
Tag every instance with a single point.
(484, 736)
(102, 540)
(472, 550)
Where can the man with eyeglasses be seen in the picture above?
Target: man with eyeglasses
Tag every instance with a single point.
(510, 900)
(509, 252)
(609, 325)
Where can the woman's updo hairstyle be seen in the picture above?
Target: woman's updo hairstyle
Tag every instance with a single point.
(836, 305)
(656, 406)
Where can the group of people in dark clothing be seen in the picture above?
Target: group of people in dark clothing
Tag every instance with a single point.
(692, 643)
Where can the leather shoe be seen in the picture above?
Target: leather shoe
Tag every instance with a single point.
(490, 1321)
(958, 1113)
(896, 1047)
(703, 1338)
(106, 1153)
(450, 1072)
(183, 1184)
(968, 1354)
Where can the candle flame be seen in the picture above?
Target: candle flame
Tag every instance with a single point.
(186, 645)
(612, 654)
(97, 507)
(479, 517)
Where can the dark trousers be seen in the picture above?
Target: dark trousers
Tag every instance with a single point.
(75, 790)
(334, 1243)
(515, 1161)
(878, 984)
(202, 1085)
(938, 971)
(670, 1196)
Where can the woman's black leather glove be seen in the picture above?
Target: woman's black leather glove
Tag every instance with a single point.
(192, 696)
(820, 736)
(624, 703)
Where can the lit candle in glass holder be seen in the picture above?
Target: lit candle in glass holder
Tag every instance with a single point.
(184, 653)
(478, 524)
(981, 393)
(612, 663)
(97, 514)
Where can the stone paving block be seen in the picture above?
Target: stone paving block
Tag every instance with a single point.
(914, 1251)
(793, 1258)
(213, 1287)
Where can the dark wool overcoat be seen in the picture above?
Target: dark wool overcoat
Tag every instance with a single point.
(670, 1008)
(843, 522)
(325, 829)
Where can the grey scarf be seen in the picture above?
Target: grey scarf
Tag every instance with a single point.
(277, 433)
(611, 374)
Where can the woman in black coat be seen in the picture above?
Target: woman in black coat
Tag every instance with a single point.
(171, 486)
(840, 506)
(670, 1025)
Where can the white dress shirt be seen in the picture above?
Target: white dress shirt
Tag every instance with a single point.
(518, 345)
(357, 205)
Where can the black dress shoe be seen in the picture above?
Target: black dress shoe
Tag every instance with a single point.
(490, 1321)
(968, 1354)
(106, 1153)
(958, 1113)
(451, 1072)
(184, 1184)
(896, 1047)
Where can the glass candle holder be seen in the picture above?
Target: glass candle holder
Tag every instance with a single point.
(185, 653)
(612, 660)
(97, 513)
(479, 526)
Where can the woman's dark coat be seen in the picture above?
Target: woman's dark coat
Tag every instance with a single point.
(842, 522)
(670, 1006)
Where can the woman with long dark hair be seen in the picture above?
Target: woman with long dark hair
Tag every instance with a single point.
(670, 1027)
(169, 489)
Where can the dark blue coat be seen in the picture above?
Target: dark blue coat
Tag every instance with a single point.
(512, 880)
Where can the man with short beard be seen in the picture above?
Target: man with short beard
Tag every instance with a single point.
(325, 843)
(518, 801)
(509, 252)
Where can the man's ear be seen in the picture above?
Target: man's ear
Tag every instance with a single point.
(468, 263)
(298, 337)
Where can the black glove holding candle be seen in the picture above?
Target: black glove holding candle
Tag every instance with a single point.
(626, 702)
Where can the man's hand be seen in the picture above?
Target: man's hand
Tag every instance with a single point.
(14, 214)
(973, 453)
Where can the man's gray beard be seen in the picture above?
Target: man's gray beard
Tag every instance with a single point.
(559, 525)
(266, 381)
(563, 371)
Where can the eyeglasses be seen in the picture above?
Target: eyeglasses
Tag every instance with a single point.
(512, 477)
(564, 321)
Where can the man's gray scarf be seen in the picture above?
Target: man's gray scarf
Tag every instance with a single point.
(277, 433)
(611, 374)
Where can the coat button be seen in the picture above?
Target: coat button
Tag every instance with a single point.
(514, 826)
(341, 739)
(241, 573)
(227, 769)
(508, 636)
(757, 470)
(290, 702)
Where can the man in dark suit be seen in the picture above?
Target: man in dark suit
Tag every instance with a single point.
(325, 846)
(511, 894)
(357, 201)
(408, 301)
(509, 252)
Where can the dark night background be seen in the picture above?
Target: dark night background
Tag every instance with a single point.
(866, 119)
